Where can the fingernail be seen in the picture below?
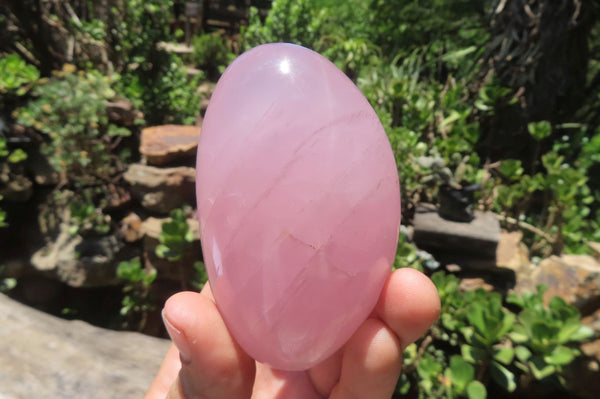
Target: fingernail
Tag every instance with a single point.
(178, 339)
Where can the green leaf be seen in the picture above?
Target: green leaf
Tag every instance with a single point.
(17, 156)
(7, 284)
(583, 332)
(114, 131)
(503, 376)
(511, 169)
(482, 106)
(472, 354)
(504, 355)
(507, 323)
(476, 390)
(461, 372)
(476, 317)
(150, 277)
(540, 369)
(403, 385)
(408, 356)
(522, 353)
(561, 356)
(189, 236)
(543, 331)
(3, 148)
(539, 130)
(455, 57)
(163, 252)
(428, 368)
(567, 331)
(130, 270)
(102, 228)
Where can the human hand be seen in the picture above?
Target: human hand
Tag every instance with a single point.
(206, 362)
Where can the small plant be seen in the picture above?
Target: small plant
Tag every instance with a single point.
(70, 109)
(175, 236)
(12, 157)
(544, 334)
(485, 335)
(8, 158)
(6, 283)
(16, 76)
(461, 378)
(291, 21)
(2, 217)
(561, 189)
(477, 340)
(138, 300)
(164, 90)
(211, 53)
(86, 216)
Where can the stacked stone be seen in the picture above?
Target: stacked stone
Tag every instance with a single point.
(164, 180)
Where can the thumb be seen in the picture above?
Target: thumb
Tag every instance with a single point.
(212, 363)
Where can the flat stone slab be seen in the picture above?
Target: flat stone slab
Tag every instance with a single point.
(42, 356)
(162, 189)
(169, 144)
(478, 237)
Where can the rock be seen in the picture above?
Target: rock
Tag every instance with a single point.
(593, 321)
(152, 227)
(512, 253)
(162, 189)
(575, 278)
(117, 197)
(479, 237)
(122, 112)
(17, 189)
(453, 268)
(181, 270)
(499, 274)
(177, 48)
(168, 144)
(47, 357)
(79, 262)
(595, 246)
(592, 349)
(471, 284)
(130, 228)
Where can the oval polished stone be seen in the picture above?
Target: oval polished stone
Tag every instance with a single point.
(298, 202)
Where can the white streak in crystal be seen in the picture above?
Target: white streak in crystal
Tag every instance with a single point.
(217, 257)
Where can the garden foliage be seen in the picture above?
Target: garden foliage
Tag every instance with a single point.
(482, 341)
(424, 68)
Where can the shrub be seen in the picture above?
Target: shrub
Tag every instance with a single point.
(175, 236)
(478, 341)
(163, 90)
(16, 75)
(70, 109)
(211, 53)
(138, 299)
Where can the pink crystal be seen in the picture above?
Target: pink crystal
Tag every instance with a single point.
(299, 204)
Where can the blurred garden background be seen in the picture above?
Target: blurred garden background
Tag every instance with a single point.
(492, 108)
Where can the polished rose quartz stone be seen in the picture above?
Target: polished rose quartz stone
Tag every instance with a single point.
(299, 204)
